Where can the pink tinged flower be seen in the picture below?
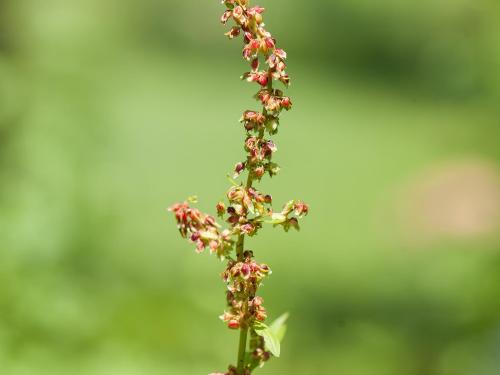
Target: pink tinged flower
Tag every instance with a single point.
(254, 44)
(251, 143)
(210, 221)
(257, 301)
(260, 119)
(280, 53)
(247, 53)
(226, 317)
(269, 43)
(273, 104)
(255, 10)
(255, 64)
(238, 11)
(248, 229)
(221, 209)
(285, 79)
(233, 33)
(240, 167)
(272, 61)
(264, 96)
(263, 79)
(233, 324)
(301, 209)
(286, 103)
(259, 172)
(256, 13)
(249, 116)
(195, 236)
(245, 270)
(226, 16)
(194, 214)
(260, 316)
(248, 37)
(271, 146)
(280, 68)
(200, 246)
(265, 268)
(214, 245)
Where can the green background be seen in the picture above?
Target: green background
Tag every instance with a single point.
(110, 111)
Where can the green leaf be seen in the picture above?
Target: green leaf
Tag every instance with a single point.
(271, 341)
(279, 327)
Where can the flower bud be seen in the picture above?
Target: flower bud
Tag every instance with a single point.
(254, 44)
(248, 229)
(255, 64)
(285, 79)
(240, 167)
(195, 236)
(264, 268)
(237, 12)
(225, 17)
(214, 245)
(221, 209)
(259, 172)
(233, 324)
(269, 43)
(236, 194)
(245, 270)
(280, 53)
(286, 103)
(247, 37)
(263, 79)
(233, 33)
(260, 316)
(200, 246)
(301, 209)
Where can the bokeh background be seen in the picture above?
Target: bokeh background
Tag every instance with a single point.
(112, 110)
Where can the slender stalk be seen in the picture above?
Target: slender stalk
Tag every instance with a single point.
(242, 349)
(239, 252)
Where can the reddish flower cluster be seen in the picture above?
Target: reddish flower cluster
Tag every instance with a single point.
(246, 210)
(297, 208)
(243, 280)
(259, 45)
(202, 229)
(274, 101)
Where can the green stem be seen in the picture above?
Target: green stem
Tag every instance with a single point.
(239, 252)
(242, 349)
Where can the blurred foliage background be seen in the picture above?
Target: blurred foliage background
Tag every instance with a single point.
(111, 111)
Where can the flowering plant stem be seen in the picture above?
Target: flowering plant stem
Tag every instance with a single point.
(248, 209)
